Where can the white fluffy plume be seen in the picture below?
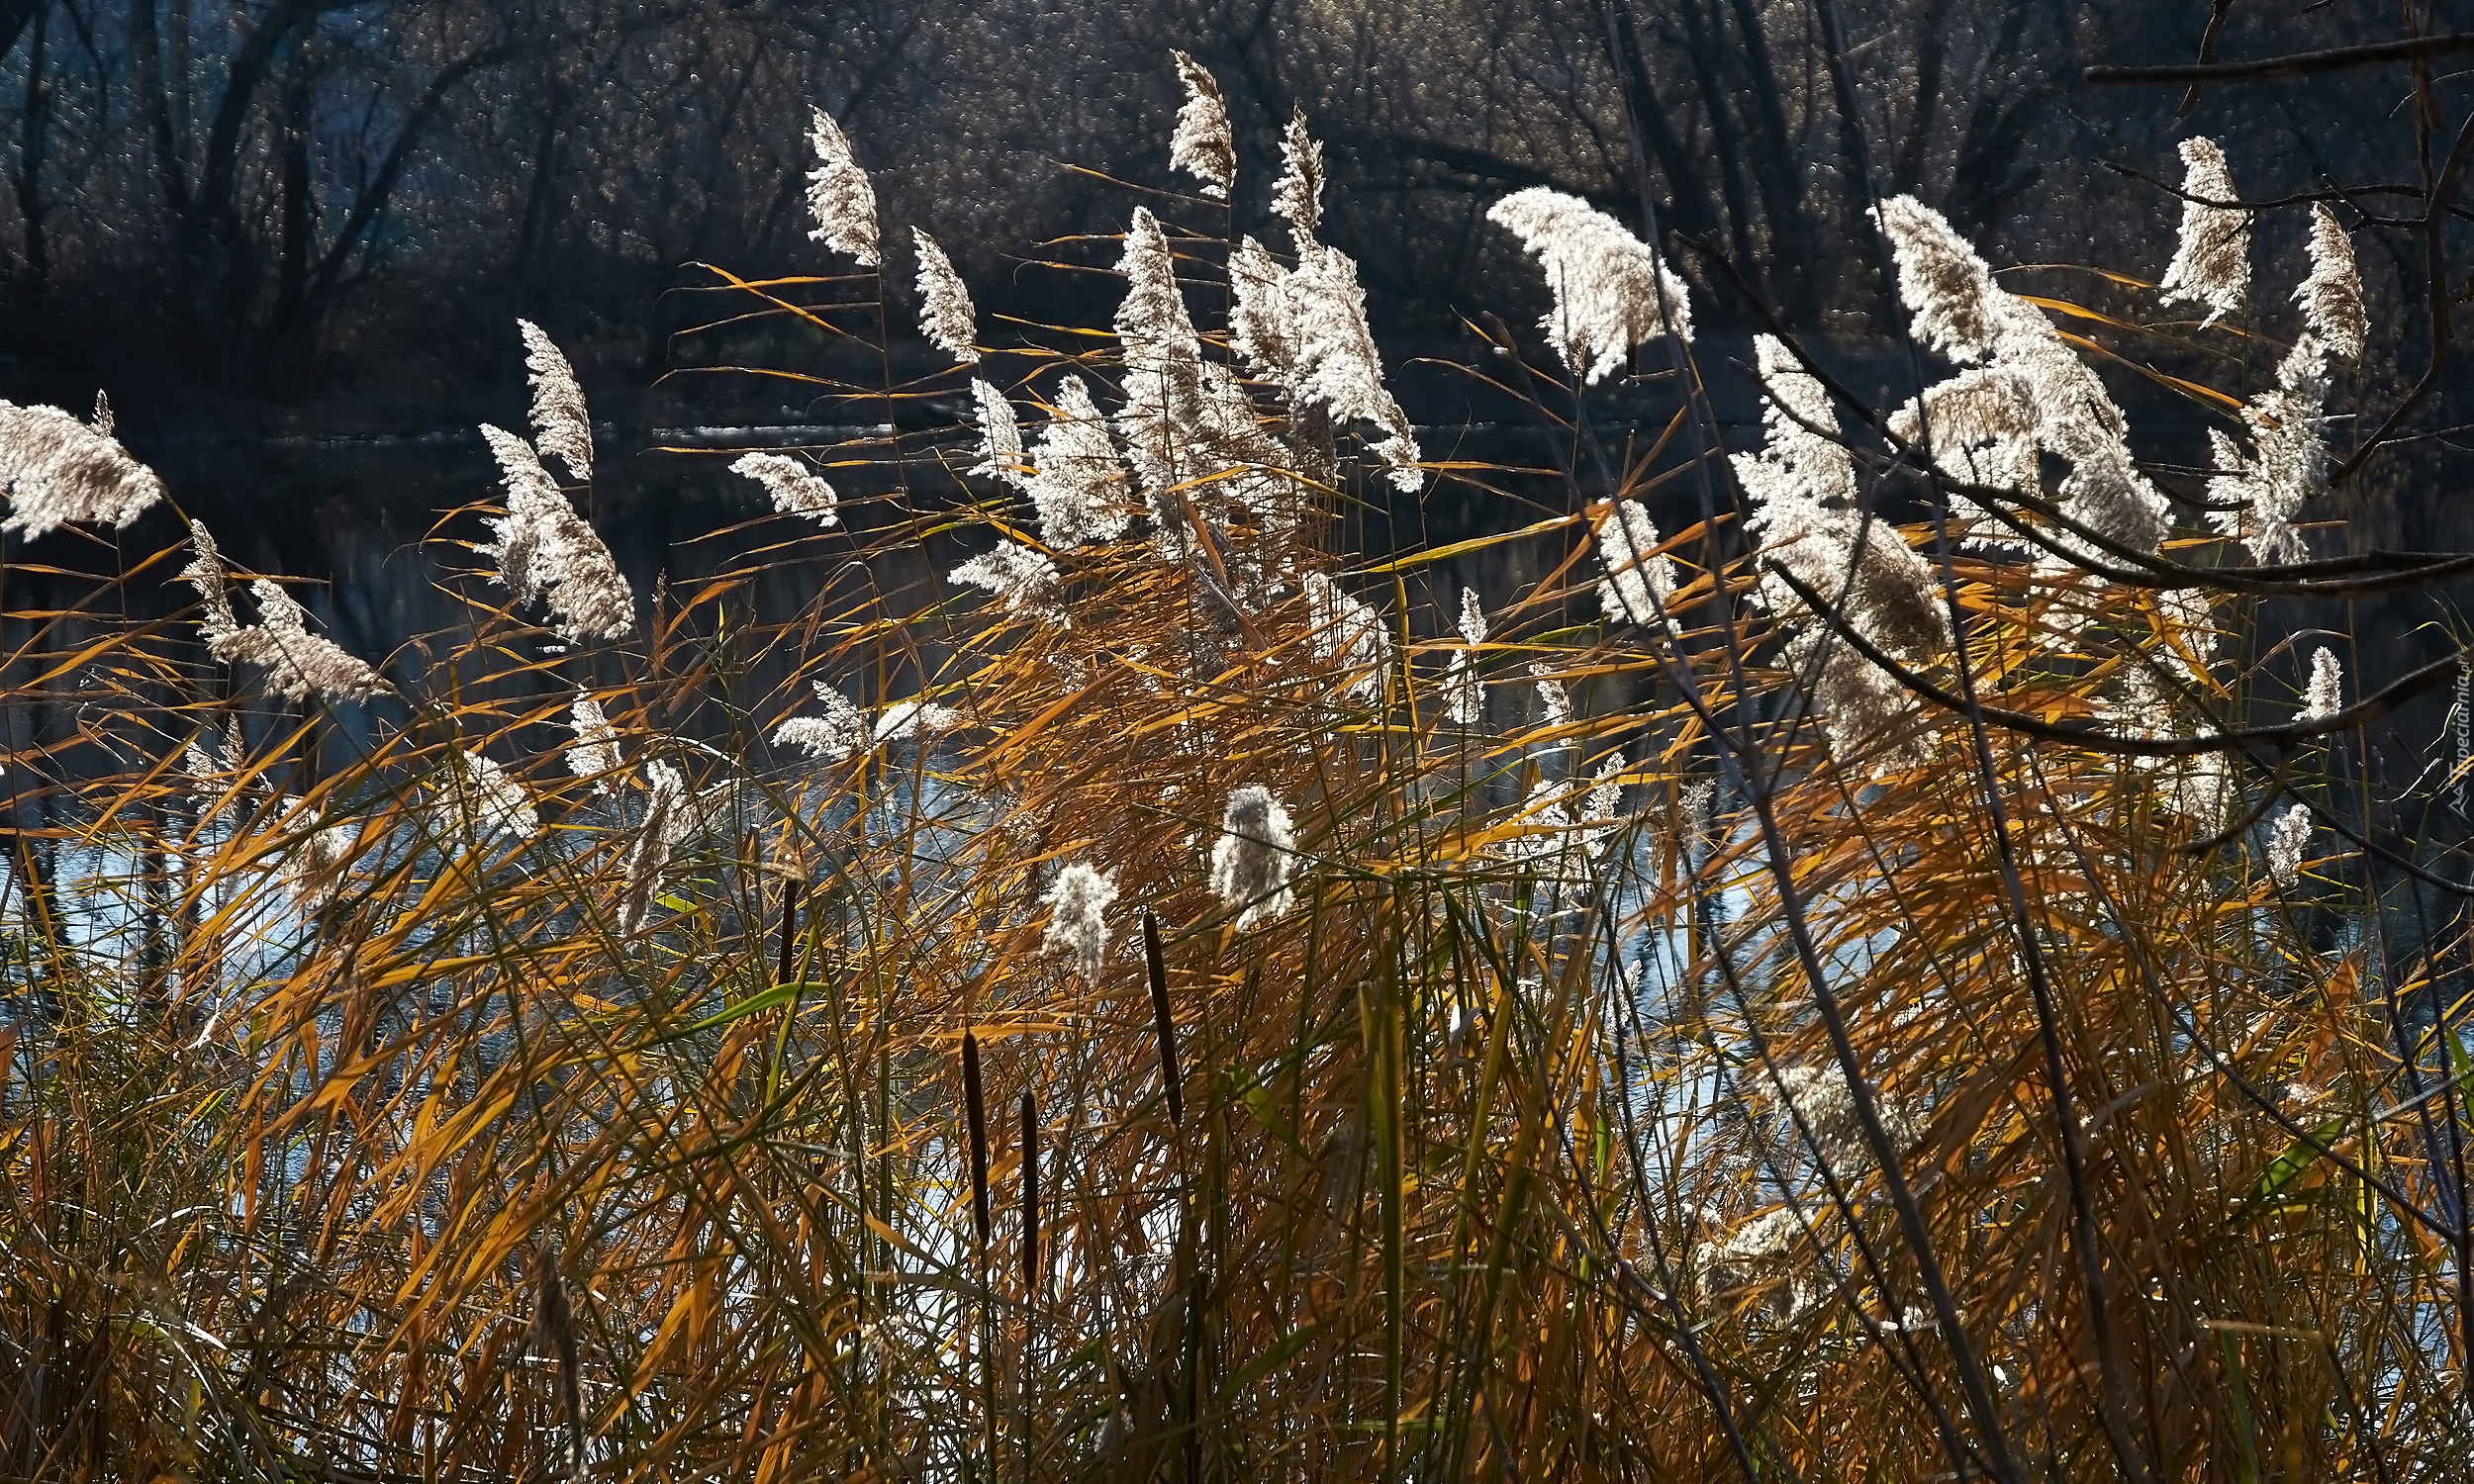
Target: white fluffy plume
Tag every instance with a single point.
(1254, 860)
(2331, 295)
(1076, 925)
(560, 427)
(59, 471)
(1201, 147)
(1001, 437)
(545, 550)
(945, 314)
(2212, 257)
(839, 196)
(1024, 579)
(1608, 284)
(797, 490)
(1078, 483)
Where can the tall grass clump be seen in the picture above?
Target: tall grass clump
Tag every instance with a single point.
(1907, 976)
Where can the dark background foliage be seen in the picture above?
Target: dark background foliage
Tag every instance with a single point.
(323, 214)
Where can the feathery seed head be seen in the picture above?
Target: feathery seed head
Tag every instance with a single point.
(1254, 860)
(2331, 295)
(1613, 292)
(2324, 694)
(1348, 635)
(545, 550)
(298, 663)
(2212, 257)
(1298, 196)
(494, 802)
(205, 573)
(559, 423)
(595, 751)
(2287, 841)
(1075, 924)
(1025, 579)
(1640, 584)
(945, 314)
(837, 734)
(797, 490)
(1944, 285)
(1079, 483)
(839, 195)
(59, 471)
(908, 719)
(1472, 625)
(1203, 147)
(1000, 437)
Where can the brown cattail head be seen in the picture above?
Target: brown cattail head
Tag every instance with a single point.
(975, 1117)
(1165, 1023)
(791, 892)
(1030, 1194)
(554, 1330)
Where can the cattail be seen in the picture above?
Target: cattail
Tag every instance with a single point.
(1297, 196)
(1203, 147)
(2324, 695)
(1075, 924)
(1611, 291)
(1255, 856)
(795, 489)
(649, 855)
(837, 734)
(1024, 579)
(554, 1328)
(1030, 1196)
(2212, 257)
(2331, 296)
(59, 470)
(1348, 635)
(205, 573)
(791, 891)
(545, 550)
(1640, 584)
(298, 663)
(2287, 840)
(839, 196)
(559, 424)
(595, 751)
(1164, 1024)
(1000, 437)
(975, 1122)
(493, 802)
(945, 314)
(1079, 485)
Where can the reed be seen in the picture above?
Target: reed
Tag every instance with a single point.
(1806, 996)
